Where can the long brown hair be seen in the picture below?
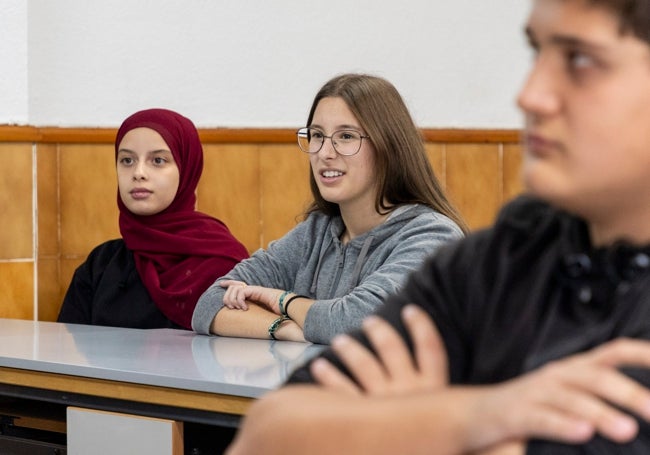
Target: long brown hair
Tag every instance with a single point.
(404, 173)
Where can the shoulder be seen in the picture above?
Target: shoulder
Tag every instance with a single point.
(424, 219)
(307, 233)
(106, 259)
(316, 223)
(526, 209)
(109, 251)
(527, 217)
(522, 222)
(109, 247)
(524, 228)
(316, 219)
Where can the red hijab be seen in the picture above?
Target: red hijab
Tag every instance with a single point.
(179, 252)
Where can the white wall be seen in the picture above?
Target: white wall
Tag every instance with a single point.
(256, 63)
(13, 62)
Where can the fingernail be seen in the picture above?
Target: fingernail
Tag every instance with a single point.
(370, 321)
(625, 427)
(646, 409)
(340, 341)
(318, 364)
(409, 310)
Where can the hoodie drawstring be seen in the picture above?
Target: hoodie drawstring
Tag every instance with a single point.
(360, 261)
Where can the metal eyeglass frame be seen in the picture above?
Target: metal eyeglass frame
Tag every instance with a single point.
(303, 132)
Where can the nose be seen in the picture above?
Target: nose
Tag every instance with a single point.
(327, 150)
(139, 171)
(539, 95)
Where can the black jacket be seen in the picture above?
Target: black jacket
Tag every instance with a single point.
(529, 290)
(107, 290)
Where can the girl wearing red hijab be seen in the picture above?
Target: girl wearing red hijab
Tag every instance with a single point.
(169, 253)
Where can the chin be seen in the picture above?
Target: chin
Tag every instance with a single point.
(141, 212)
(558, 200)
(542, 189)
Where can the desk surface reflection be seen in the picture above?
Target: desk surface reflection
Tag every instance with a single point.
(158, 357)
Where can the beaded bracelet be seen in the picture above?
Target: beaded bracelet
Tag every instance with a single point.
(285, 310)
(275, 325)
(281, 302)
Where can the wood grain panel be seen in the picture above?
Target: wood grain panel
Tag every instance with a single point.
(89, 214)
(474, 181)
(436, 155)
(164, 396)
(470, 136)
(284, 183)
(230, 190)
(47, 159)
(16, 201)
(50, 295)
(17, 290)
(12, 133)
(512, 161)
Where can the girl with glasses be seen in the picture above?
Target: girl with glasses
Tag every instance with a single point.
(378, 211)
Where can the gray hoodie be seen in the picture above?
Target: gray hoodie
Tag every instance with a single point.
(349, 281)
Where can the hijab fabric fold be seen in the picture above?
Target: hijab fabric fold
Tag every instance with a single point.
(178, 252)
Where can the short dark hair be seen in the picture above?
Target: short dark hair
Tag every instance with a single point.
(634, 15)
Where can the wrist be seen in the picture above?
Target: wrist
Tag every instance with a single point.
(275, 325)
(285, 307)
(483, 426)
(281, 305)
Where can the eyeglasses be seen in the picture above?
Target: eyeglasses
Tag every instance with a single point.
(345, 142)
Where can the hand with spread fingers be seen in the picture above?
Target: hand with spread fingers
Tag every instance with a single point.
(574, 398)
(393, 371)
(569, 400)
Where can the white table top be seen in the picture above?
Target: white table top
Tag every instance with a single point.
(160, 357)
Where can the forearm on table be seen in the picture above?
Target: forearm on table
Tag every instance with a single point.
(315, 420)
(253, 323)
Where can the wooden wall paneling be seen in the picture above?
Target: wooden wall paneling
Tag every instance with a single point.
(50, 288)
(513, 184)
(16, 201)
(47, 159)
(88, 207)
(436, 155)
(17, 288)
(230, 189)
(474, 181)
(284, 178)
(88, 198)
(49, 245)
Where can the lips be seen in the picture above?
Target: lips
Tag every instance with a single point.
(330, 176)
(140, 193)
(538, 145)
(331, 173)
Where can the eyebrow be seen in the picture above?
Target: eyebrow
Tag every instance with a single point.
(566, 41)
(338, 128)
(152, 151)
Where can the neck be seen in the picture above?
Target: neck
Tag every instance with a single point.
(359, 222)
(624, 225)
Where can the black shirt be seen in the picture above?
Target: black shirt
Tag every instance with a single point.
(107, 290)
(527, 291)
